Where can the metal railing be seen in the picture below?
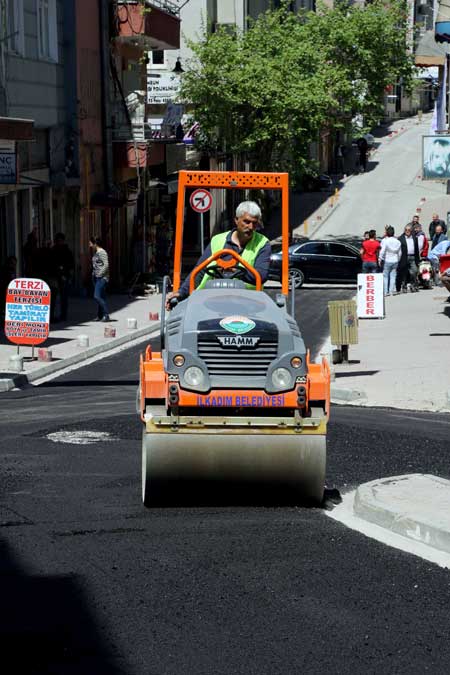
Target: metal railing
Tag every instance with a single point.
(166, 5)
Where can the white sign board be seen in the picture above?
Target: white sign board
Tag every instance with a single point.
(370, 296)
(27, 311)
(162, 89)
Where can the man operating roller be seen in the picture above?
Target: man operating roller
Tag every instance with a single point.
(244, 238)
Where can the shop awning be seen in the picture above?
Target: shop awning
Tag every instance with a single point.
(428, 52)
(16, 129)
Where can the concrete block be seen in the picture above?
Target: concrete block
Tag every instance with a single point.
(416, 506)
(110, 332)
(132, 323)
(83, 340)
(44, 354)
(16, 363)
(6, 384)
(345, 395)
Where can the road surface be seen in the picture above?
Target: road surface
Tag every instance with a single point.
(91, 582)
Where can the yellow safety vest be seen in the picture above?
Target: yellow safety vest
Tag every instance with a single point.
(249, 253)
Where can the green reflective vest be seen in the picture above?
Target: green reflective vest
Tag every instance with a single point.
(249, 253)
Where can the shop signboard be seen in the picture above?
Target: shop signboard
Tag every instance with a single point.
(27, 311)
(162, 89)
(8, 166)
(370, 296)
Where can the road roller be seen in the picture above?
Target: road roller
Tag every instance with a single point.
(232, 396)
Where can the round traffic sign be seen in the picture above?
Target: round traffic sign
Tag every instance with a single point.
(201, 200)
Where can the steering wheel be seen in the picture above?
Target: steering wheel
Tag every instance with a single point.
(233, 259)
(218, 272)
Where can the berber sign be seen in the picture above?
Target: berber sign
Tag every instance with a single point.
(370, 296)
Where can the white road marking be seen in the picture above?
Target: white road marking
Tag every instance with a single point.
(80, 437)
(343, 513)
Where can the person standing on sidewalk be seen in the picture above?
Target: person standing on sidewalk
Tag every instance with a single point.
(363, 148)
(442, 248)
(422, 241)
(369, 253)
(439, 235)
(100, 277)
(63, 266)
(390, 253)
(409, 261)
(434, 223)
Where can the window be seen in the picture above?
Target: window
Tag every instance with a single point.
(157, 59)
(16, 41)
(47, 29)
(341, 250)
(315, 247)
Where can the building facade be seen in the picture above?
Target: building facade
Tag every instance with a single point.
(32, 56)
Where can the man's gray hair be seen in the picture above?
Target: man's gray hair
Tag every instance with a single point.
(251, 208)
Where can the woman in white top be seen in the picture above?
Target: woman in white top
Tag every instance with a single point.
(390, 254)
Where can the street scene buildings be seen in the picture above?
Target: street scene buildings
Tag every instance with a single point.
(225, 389)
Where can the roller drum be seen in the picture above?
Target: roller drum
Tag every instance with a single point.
(293, 461)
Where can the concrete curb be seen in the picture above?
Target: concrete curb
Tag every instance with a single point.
(415, 506)
(21, 379)
(345, 395)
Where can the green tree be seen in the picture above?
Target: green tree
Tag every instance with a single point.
(266, 93)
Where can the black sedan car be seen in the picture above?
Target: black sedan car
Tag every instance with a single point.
(317, 261)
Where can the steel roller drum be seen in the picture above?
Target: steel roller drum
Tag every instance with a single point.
(285, 460)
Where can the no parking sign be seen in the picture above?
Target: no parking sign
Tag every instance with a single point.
(201, 200)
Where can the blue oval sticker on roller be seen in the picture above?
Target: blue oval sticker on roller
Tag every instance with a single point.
(237, 324)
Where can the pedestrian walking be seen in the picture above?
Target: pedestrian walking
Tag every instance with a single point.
(390, 253)
(439, 235)
(369, 253)
(409, 261)
(100, 277)
(434, 223)
(63, 265)
(362, 148)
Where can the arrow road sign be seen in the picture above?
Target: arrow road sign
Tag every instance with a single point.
(201, 200)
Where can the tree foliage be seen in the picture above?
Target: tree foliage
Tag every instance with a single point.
(267, 93)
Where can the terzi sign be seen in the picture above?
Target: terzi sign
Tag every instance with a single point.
(27, 311)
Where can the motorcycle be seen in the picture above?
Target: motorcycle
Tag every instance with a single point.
(425, 274)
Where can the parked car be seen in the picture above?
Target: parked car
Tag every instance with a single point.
(318, 261)
(316, 182)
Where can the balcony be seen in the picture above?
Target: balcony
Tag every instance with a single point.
(156, 28)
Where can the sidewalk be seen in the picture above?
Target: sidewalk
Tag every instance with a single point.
(63, 341)
(401, 361)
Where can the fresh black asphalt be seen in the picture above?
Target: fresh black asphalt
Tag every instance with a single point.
(92, 583)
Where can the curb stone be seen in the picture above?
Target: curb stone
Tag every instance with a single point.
(21, 379)
(415, 506)
(344, 394)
